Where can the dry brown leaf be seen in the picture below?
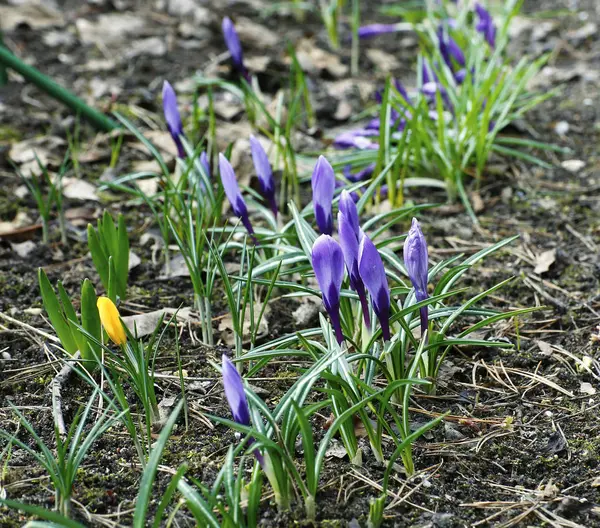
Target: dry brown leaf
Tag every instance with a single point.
(316, 60)
(77, 189)
(544, 260)
(110, 29)
(35, 14)
(226, 324)
(254, 34)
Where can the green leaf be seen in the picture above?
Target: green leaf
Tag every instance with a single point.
(99, 256)
(55, 518)
(122, 257)
(56, 314)
(111, 289)
(143, 498)
(90, 321)
(201, 511)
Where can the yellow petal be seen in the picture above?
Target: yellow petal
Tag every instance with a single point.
(109, 316)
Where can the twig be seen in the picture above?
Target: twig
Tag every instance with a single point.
(57, 382)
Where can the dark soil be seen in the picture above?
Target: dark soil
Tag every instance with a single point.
(515, 451)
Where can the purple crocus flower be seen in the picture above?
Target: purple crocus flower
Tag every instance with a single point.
(234, 391)
(328, 263)
(349, 231)
(172, 117)
(372, 30)
(417, 263)
(232, 40)
(264, 172)
(233, 193)
(361, 175)
(323, 185)
(486, 25)
(358, 138)
(449, 48)
(372, 272)
(204, 162)
(236, 398)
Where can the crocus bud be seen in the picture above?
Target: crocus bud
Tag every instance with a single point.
(485, 25)
(264, 172)
(232, 191)
(372, 30)
(349, 232)
(372, 272)
(417, 263)
(232, 40)
(328, 263)
(449, 48)
(111, 321)
(323, 185)
(236, 398)
(172, 117)
(234, 392)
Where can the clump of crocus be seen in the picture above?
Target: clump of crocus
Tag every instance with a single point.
(264, 173)
(417, 263)
(485, 25)
(372, 272)
(328, 263)
(349, 231)
(111, 320)
(232, 40)
(232, 191)
(172, 117)
(323, 186)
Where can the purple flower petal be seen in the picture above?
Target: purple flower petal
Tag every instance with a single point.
(416, 261)
(264, 172)
(235, 393)
(349, 232)
(372, 30)
(323, 186)
(232, 40)
(232, 191)
(372, 272)
(357, 139)
(172, 117)
(486, 24)
(328, 264)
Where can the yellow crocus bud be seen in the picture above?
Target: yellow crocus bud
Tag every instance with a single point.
(109, 317)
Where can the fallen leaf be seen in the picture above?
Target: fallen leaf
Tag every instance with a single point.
(336, 449)
(256, 35)
(573, 165)
(145, 323)
(316, 60)
(177, 268)
(226, 324)
(23, 249)
(384, 62)
(587, 388)
(35, 14)
(77, 189)
(134, 260)
(153, 46)
(110, 29)
(545, 348)
(544, 260)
